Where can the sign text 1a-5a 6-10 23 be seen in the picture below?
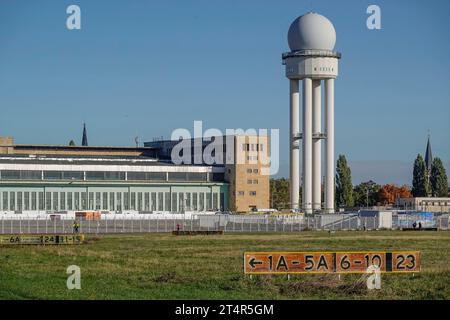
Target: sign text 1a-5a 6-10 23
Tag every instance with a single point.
(330, 262)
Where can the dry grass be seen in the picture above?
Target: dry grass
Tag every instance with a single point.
(162, 266)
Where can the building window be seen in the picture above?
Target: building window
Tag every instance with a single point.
(249, 181)
(252, 193)
(69, 201)
(215, 201)
(181, 203)
(139, 206)
(62, 202)
(177, 176)
(202, 202)
(255, 170)
(55, 201)
(91, 200)
(153, 201)
(5, 200)
(33, 200)
(167, 201)
(26, 199)
(83, 204)
(98, 201)
(241, 193)
(147, 201)
(160, 201)
(208, 201)
(105, 175)
(119, 201)
(12, 201)
(111, 201)
(19, 201)
(77, 201)
(194, 201)
(48, 201)
(255, 181)
(249, 170)
(41, 200)
(133, 201)
(188, 201)
(105, 201)
(155, 176)
(222, 201)
(174, 202)
(126, 200)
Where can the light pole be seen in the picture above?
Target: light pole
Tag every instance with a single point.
(367, 197)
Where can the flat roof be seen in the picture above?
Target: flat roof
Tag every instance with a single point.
(110, 163)
(79, 148)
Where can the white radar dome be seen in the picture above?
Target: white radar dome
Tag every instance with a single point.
(311, 31)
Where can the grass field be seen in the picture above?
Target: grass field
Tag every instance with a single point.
(162, 266)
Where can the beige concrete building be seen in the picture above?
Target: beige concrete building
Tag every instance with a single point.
(248, 177)
(437, 205)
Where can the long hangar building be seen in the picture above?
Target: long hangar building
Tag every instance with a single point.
(63, 178)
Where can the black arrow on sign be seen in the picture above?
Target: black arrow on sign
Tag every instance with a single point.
(254, 262)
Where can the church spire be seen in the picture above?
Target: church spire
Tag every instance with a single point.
(428, 155)
(84, 141)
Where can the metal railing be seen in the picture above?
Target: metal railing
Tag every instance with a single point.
(227, 223)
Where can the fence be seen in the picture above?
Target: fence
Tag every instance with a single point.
(228, 223)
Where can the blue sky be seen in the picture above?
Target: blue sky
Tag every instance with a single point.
(144, 68)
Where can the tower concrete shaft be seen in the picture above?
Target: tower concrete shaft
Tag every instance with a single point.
(317, 146)
(312, 59)
(294, 144)
(329, 145)
(307, 145)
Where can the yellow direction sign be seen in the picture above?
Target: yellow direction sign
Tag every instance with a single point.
(41, 239)
(330, 262)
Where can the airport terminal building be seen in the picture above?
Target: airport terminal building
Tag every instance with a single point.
(65, 178)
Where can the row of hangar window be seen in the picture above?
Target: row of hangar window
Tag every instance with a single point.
(111, 201)
(108, 175)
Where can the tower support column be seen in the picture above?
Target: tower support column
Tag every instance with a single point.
(294, 144)
(316, 147)
(307, 145)
(329, 149)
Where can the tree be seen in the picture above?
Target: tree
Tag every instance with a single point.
(421, 187)
(390, 192)
(72, 143)
(438, 179)
(344, 187)
(280, 194)
(366, 194)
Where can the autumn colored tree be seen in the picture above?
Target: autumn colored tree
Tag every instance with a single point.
(390, 192)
